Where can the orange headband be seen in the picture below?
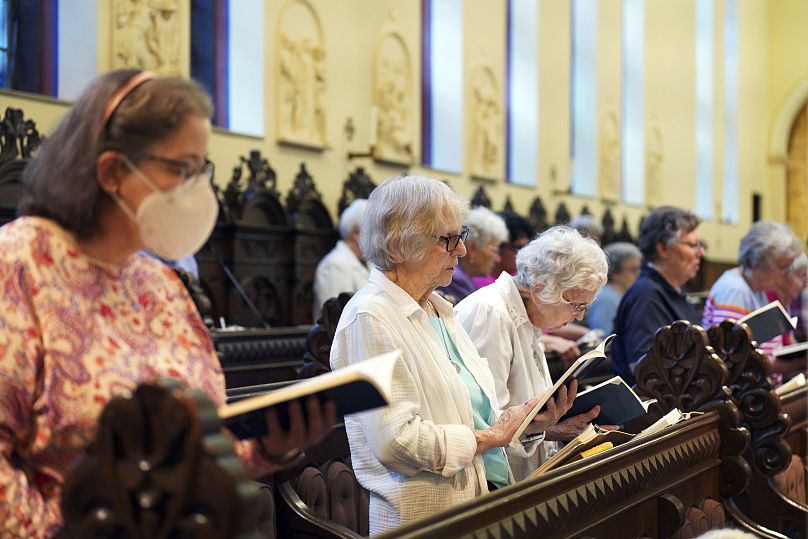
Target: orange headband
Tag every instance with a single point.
(123, 91)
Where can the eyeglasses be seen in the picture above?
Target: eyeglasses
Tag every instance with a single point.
(695, 245)
(577, 308)
(453, 241)
(184, 169)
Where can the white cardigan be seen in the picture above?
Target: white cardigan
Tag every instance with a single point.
(417, 455)
(496, 320)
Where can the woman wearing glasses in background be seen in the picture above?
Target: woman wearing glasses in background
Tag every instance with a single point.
(83, 318)
(557, 277)
(440, 441)
(766, 257)
(672, 249)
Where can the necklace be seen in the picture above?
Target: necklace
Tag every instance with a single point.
(443, 338)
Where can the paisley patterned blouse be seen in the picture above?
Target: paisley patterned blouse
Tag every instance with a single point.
(74, 332)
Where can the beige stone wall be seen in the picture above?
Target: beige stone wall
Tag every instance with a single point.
(773, 67)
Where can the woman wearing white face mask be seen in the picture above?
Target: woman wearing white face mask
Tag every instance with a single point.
(82, 316)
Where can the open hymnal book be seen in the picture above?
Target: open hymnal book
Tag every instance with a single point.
(798, 350)
(579, 369)
(593, 437)
(356, 388)
(618, 402)
(671, 418)
(795, 383)
(769, 322)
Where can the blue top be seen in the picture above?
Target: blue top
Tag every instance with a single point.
(461, 286)
(601, 314)
(649, 304)
(496, 463)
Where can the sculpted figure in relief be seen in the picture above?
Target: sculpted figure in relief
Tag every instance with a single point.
(392, 100)
(147, 35)
(487, 118)
(302, 90)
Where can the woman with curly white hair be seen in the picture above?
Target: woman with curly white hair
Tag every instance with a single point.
(486, 232)
(557, 277)
(440, 441)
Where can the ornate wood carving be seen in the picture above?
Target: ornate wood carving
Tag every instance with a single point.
(19, 139)
(480, 198)
(508, 206)
(146, 35)
(159, 467)
(681, 371)
(358, 185)
(607, 222)
(301, 76)
(392, 141)
(562, 214)
(591, 498)
(538, 215)
(321, 335)
(624, 234)
(485, 121)
(315, 237)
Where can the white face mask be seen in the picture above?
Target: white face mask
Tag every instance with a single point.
(177, 223)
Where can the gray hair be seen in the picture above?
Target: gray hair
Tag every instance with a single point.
(484, 226)
(560, 259)
(618, 253)
(664, 225)
(352, 216)
(587, 226)
(765, 242)
(60, 182)
(404, 216)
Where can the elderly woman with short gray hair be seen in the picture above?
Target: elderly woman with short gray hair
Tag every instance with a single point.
(487, 231)
(558, 275)
(625, 260)
(440, 441)
(672, 248)
(765, 258)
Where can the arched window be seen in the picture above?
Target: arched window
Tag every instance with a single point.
(729, 204)
(633, 102)
(704, 108)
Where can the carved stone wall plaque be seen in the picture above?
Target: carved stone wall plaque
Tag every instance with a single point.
(301, 80)
(146, 34)
(393, 99)
(485, 121)
(610, 157)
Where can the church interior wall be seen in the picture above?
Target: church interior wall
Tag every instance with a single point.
(772, 65)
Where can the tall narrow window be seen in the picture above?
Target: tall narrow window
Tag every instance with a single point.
(633, 102)
(583, 144)
(442, 85)
(32, 36)
(704, 108)
(245, 60)
(76, 62)
(5, 45)
(522, 120)
(209, 36)
(730, 196)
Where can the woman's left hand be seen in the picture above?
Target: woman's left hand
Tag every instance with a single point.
(549, 416)
(571, 427)
(281, 446)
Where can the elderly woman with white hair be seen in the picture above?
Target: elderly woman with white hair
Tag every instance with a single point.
(766, 255)
(558, 275)
(440, 441)
(486, 232)
(625, 261)
(343, 269)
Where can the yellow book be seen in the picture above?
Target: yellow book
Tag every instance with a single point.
(595, 450)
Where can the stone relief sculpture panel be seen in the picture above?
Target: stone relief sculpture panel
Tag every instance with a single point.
(654, 155)
(485, 120)
(393, 100)
(146, 35)
(301, 80)
(610, 158)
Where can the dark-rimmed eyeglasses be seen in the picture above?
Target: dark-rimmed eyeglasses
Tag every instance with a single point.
(695, 245)
(577, 308)
(454, 240)
(183, 169)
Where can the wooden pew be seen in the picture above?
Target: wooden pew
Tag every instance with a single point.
(652, 487)
(159, 467)
(764, 508)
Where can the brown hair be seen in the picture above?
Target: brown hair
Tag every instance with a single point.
(60, 182)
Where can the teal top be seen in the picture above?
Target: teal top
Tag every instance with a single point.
(496, 463)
